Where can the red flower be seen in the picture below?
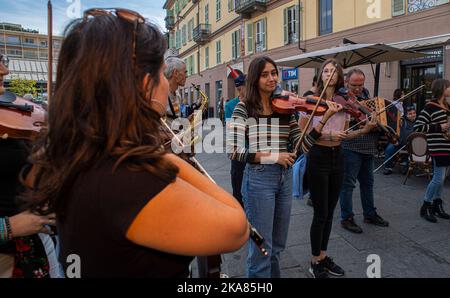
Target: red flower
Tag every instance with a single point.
(22, 245)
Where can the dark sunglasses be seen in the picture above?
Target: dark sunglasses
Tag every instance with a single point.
(122, 13)
(4, 60)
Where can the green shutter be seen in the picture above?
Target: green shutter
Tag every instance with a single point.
(250, 38)
(285, 26)
(398, 7)
(264, 36)
(297, 22)
(233, 45)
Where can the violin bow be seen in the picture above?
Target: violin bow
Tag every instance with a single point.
(388, 106)
(299, 142)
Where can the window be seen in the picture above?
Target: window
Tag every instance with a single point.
(291, 22)
(171, 40)
(176, 8)
(178, 39)
(30, 54)
(250, 38)
(231, 5)
(218, 10)
(183, 35)
(190, 29)
(325, 17)
(260, 35)
(14, 52)
(398, 7)
(43, 43)
(236, 44)
(207, 14)
(207, 57)
(218, 52)
(29, 40)
(13, 39)
(43, 55)
(57, 44)
(190, 66)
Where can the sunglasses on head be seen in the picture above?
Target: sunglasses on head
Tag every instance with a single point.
(122, 13)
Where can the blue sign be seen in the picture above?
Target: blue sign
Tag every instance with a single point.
(290, 74)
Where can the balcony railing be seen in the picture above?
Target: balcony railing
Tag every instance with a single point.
(202, 33)
(170, 22)
(246, 7)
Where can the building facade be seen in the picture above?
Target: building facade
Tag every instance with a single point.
(211, 34)
(28, 53)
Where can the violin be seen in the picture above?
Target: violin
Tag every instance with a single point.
(350, 99)
(20, 118)
(286, 104)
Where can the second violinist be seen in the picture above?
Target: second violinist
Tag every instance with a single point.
(325, 168)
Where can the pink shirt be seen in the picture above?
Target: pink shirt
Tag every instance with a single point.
(335, 123)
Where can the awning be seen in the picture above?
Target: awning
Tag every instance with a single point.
(422, 42)
(29, 70)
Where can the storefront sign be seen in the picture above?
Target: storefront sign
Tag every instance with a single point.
(433, 55)
(290, 74)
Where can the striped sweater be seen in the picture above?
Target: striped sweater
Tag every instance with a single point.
(429, 122)
(275, 133)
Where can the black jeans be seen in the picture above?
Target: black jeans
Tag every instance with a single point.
(325, 170)
(237, 172)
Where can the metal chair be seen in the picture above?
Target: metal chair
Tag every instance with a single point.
(419, 157)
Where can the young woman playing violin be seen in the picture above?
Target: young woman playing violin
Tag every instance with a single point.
(23, 253)
(267, 182)
(325, 170)
(123, 205)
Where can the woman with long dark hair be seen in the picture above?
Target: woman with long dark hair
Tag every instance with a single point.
(264, 140)
(325, 170)
(434, 121)
(124, 206)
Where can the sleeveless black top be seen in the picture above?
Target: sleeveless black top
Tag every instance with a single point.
(102, 206)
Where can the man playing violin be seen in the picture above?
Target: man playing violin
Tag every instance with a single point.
(359, 163)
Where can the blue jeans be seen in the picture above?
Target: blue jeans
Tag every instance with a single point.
(388, 152)
(434, 188)
(267, 196)
(357, 166)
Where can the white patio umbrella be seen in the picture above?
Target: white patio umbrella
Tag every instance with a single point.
(350, 55)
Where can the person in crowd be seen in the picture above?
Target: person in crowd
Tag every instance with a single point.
(407, 127)
(359, 154)
(175, 73)
(267, 182)
(237, 167)
(325, 170)
(23, 234)
(124, 205)
(433, 120)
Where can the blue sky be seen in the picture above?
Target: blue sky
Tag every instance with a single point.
(32, 14)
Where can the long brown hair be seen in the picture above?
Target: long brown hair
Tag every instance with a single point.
(99, 111)
(339, 72)
(438, 88)
(252, 96)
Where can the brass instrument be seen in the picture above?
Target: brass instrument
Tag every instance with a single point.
(194, 122)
